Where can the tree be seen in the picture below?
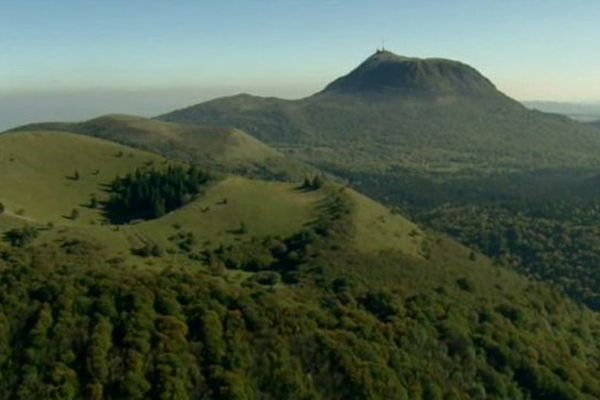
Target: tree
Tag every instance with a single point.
(74, 214)
(317, 182)
(269, 278)
(148, 194)
(2, 208)
(21, 237)
(314, 182)
(158, 207)
(97, 354)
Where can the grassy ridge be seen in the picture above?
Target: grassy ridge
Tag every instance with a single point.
(377, 229)
(223, 149)
(39, 172)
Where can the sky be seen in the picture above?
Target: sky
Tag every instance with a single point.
(67, 59)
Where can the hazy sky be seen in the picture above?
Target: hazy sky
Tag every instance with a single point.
(170, 53)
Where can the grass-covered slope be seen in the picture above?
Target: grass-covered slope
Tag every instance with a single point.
(321, 320)
(376, 228)
(46, 175)
(265, 290)
(225, 149)
(397, 112)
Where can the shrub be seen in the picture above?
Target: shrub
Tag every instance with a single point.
(21, 237)
(270, 278)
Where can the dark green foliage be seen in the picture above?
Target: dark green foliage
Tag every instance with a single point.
(310, 318)
(148, 194)
(109, 332)
(565, 252)
(269, 278)
(465, 283)
(148, 250)
(184, 240)
(21, 237)
(544, 223)
(381, 304)
(314, 182)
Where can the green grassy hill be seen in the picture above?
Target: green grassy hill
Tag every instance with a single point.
(259, 289)
(395, 112)
(229, 150)
(264, 209)
(45, 175)
(314, 315)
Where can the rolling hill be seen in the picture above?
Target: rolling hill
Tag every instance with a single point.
(46, 174)
(396, 112)
(229, 150)
(259, 289)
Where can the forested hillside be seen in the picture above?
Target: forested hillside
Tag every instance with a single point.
(399, 112)
(233, 288)
(436, 139)
(542, 223)
(319, 321)
(125, 274)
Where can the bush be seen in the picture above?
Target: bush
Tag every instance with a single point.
(465, 284)
(148, 250)
(21, 237)
(380, 303)
(269, 278)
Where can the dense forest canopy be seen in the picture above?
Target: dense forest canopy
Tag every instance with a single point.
(148, 194)
(542, 223)
(76, 325)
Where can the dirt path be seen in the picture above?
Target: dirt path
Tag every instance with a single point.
(17, 216)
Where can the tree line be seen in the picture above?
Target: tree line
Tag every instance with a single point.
(148, 194)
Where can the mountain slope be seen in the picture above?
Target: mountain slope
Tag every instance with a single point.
(262, 290)
(390, 74)
(402, 112)
(229, 150)
(46, 174)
